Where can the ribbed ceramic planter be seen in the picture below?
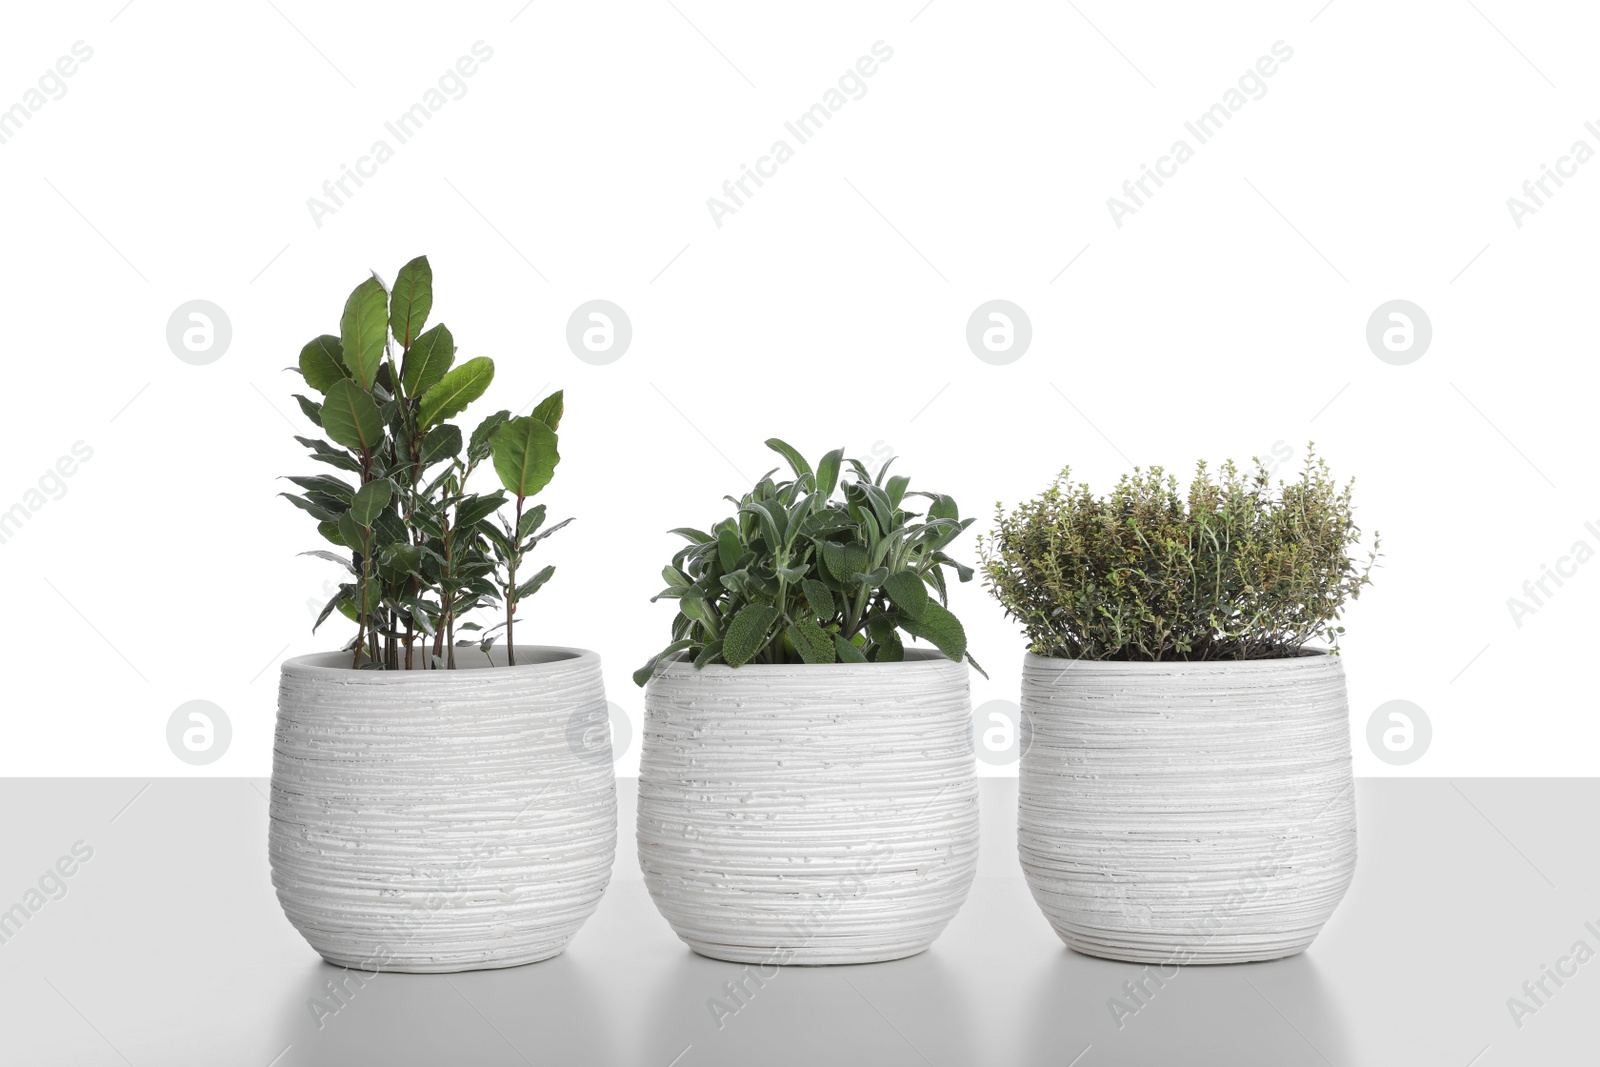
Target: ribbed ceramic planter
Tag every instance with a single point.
(809, 814)
(442, 820)
(1187, 812)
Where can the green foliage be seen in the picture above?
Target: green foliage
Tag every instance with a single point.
(427, 360)
(525, 458)
(458, 388)
(411, 301)
(525, 455)
(797, 576)
(421, 551)
(351, 417)
(364, 331)
(1239, 569)
(322, 363)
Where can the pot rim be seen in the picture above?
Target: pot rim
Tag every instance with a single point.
(1306, 657)
(327, 666)
(926, 660)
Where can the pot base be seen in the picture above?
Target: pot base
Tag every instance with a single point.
(442, 966)
(823, 957)
(1176, 952)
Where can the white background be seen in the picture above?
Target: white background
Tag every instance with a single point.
(1224, 317)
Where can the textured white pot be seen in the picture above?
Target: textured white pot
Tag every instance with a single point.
(442, 820)
(809, 814)
(1187, 812)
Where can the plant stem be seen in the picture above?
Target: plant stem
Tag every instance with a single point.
(361, 613)
(511, 584)
(366, 562)
(447, 596)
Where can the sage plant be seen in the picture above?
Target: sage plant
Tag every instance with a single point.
(815, 570)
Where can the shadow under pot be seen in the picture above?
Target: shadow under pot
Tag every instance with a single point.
(442, 820)
(1187, 812)
(809, 814)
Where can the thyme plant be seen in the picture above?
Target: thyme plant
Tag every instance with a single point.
(421, 550)
(1238, 569)
(800, 575)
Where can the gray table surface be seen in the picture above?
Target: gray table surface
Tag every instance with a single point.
(168, 947)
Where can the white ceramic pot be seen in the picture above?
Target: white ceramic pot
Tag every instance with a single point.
(1187, 812)
(442, 820)
(809, 814)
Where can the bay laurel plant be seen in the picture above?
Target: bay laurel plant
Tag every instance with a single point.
(421, 551)
(1237, 569)
(813, 569)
